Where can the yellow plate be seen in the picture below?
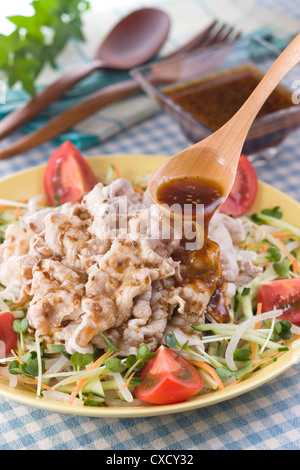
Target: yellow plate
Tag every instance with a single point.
(30, 182)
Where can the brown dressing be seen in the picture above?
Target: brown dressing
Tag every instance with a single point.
(195, 197)
(215, 99)
(201, 267)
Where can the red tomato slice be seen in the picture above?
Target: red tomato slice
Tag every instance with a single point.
(282, 293)
(244, 190)
(168, 379)
(7, 334)
(68, 176)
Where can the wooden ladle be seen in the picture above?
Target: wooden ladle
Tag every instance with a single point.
(216, 157)
(133, 41)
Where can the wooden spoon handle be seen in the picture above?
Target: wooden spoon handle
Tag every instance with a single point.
(72, 116)
(239, 125)
(44, 98)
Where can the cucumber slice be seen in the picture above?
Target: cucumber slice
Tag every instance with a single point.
(94, 386)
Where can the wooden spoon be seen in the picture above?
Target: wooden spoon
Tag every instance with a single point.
(133, 41)
(216, 157)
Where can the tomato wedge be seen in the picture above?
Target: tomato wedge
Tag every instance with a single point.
(244, 190)
(282, 293)
(68, 176)
(7, 334)
(168, 379)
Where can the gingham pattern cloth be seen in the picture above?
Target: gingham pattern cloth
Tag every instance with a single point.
(266, 418)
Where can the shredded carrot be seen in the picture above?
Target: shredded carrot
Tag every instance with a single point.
(295, 266)
(99, 360)
(127, 382)
(17, 213)
(138, 189)
(253, 350)
(102, 376)
(253, 368)
(16, 356)
(81, 382)
(118, 174)
(280, 234)
(258, 312)
(28, 387)
(285, 250)
(291, 259)
(245, 244)
(210, 371)
(35, 382)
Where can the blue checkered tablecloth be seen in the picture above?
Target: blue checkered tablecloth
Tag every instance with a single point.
(267, 418)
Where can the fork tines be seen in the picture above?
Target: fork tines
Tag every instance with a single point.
(221, 32)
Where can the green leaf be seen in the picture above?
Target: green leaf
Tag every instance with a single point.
(273, 253)
(143, 351)
(275, 212)
(282, 268)
(81, 360)
(170, 340)
(26, 51)
(56, 197)
(26, 357)
(58, 347)
(32, 367)
(242, 354)
(15, 368)
(183, 348)
(282, 329)
(236, 301)
(224, 373)
(285, 324)
(135, 381)
(246, 291)
(285, 334)
(111, 345)
(115, 365)
(20, 326)
(131, 360)
(277, 328)
(241, 372)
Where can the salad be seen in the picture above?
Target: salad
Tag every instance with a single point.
(169, 358)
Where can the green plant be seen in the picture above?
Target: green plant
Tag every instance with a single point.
(38, 39)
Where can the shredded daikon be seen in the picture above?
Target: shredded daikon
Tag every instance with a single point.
(60, 397)
(8, 203)
(126, 394)
(12, 379)
(239, 332)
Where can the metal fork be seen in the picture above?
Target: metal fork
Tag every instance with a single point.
(215, 33)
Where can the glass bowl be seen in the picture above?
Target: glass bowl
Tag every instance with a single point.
(170, 83)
